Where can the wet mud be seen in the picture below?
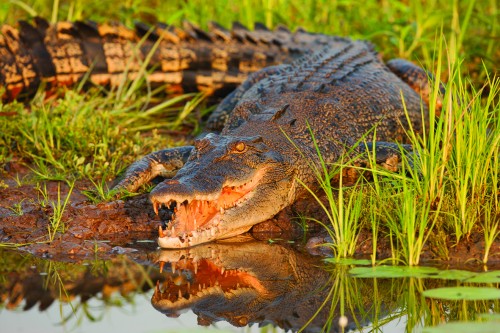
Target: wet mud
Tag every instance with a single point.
(120, 226)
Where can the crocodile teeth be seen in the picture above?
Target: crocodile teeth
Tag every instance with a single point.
(160, 232)
(221, 210)
(155, 207)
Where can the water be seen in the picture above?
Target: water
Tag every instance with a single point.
(227, 286)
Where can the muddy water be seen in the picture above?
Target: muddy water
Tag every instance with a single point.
(227, 286)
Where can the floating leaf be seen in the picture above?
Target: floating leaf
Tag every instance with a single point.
(349, 261)
(454, 274)
(457, 327)
(487, 277)
(463, 293)
(393, 272)
(424, 272)
(489, 317)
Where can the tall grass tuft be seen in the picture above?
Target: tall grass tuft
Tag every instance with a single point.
(447, 187)
(342, 205)
(56, 224)
(86, 135)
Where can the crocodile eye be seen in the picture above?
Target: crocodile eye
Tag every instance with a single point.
(240, 147)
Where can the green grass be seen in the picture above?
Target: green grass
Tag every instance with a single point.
(448, 192)
(84, 134)
(342, 206)
(447, 189)
(17, 208)
(56, 223)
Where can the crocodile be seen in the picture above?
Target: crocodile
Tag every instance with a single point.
(262, 142)
(183, 60)
(290, 87)
(246, 282)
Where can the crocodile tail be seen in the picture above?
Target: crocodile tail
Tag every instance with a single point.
(418, 79)
(184, 60)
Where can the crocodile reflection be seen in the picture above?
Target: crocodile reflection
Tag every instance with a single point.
(28, 281)
(245, 283)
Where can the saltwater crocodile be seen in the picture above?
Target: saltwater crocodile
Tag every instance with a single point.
(272, 128)
(337, 91)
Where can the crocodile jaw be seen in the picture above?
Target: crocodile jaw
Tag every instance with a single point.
(200, 274)
(197, 237)
(201, 218)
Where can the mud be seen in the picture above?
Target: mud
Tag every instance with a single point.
(106, 228)
(121, 226)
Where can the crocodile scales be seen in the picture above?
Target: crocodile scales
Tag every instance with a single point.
(184, 60)
(247, 170)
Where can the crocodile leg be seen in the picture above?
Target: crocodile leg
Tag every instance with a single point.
(163, 163)
(416, 77)
(218, 118)
(387, 154)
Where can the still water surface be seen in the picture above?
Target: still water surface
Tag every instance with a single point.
(139, 317)
(229, 287)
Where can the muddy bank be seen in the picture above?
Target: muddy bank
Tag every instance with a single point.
(116, 227)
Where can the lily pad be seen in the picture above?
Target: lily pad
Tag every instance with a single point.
(349, 261)
(489, 317)
(454, 274)
(424, 272)
(463, 293)
(393, 272)
(487, 277)
(458, 327)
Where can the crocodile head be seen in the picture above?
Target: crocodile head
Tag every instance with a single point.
(227, 185)
(245, 282)
(242, 281)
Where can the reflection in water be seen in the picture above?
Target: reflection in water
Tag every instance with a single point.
(241, 283)
(38, 281)
(254, 282)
